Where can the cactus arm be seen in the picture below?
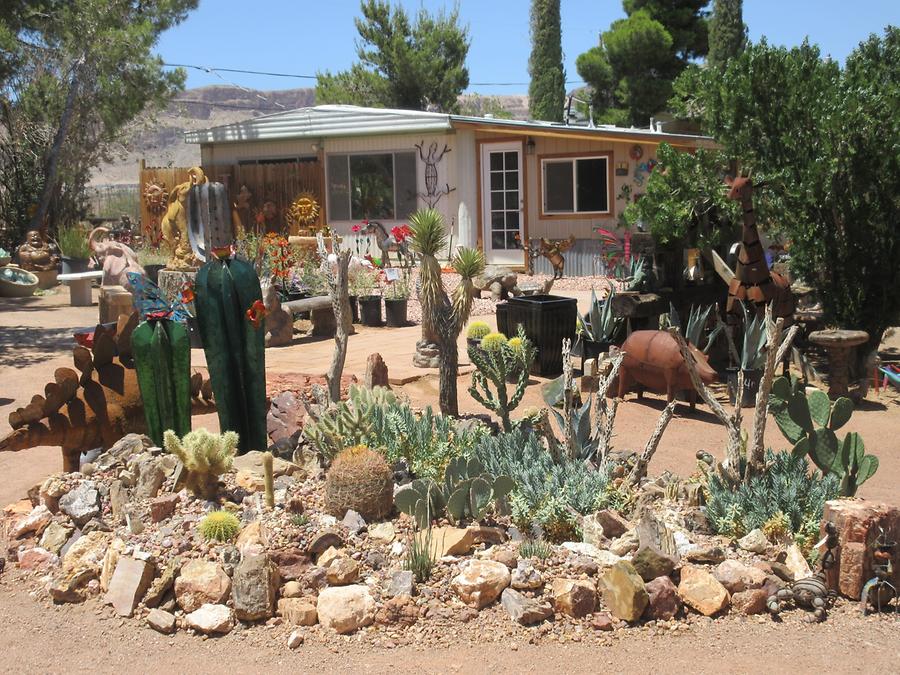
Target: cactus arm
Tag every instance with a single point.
(180, 344)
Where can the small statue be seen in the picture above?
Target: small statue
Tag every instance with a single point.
(35, 254)
(174, 223)
(279, 321)
(116, 257)
(552, 250)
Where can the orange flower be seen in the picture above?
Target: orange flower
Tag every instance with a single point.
(187, 294)
(256, 313)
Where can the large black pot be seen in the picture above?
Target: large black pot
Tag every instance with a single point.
(354, 309)
(194, 333)
(547, 320)
(370, 310)
(74, 265)
(751, 386)
(395, 312)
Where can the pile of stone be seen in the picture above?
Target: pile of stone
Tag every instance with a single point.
(122, 532)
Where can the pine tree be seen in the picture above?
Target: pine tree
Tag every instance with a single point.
(727, 33)
(547, 92)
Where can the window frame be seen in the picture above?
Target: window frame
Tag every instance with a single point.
(345, 156)
(572, 158)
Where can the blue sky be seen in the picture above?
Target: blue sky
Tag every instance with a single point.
(304, 37)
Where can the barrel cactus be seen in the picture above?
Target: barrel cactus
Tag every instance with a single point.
(220, 526)
(359, 479)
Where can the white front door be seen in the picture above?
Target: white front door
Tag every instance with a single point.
(502, 203)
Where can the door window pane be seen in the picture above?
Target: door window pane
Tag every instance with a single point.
(496, 180)
(591, 178)
(558, 194)
(496, 201)
(512, 180)
(498, 240)
(512, 200)
(512, 160)
(496, 161)
(498, 222)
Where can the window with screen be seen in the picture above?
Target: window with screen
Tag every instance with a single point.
(380, 186)
(575, 185)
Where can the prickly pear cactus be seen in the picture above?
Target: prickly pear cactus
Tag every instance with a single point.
(162, 359)
(230, 314)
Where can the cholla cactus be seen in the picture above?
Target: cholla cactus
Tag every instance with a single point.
(498, 361)
(205, 456)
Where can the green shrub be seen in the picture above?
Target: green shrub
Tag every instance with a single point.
(73, 243)
(535, 548)
(786, 492)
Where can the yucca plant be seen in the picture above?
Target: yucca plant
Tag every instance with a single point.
(443, 316)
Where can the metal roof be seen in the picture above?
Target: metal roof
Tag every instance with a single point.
(326, 121)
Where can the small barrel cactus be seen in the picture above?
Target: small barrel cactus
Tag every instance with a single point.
(493, 342)
(220, 526)
(477, 330)
(360, 479)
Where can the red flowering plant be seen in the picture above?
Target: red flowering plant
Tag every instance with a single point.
(280, 257)
(401, 233)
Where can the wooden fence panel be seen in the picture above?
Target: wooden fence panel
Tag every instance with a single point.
(261, 193)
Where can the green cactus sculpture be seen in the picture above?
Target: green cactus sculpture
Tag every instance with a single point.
(162, 359)
(496, 362)
(466, 493)
(797, 414)
(230, 313)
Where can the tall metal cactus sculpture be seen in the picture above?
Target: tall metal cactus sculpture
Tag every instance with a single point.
(231, 316)
(162, 359)
(209, 219)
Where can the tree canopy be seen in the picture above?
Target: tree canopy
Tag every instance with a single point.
(727, 32)
(630, 72)
(826, 141)
(547, 91)
(415, 66)
(79, 73)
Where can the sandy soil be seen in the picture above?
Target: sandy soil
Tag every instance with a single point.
(38, 637)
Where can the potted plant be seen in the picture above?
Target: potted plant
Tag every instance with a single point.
(753, 358)
(369, 300)
(396, 295)
(74, 247)
(152, 260)
(476, 331)
(598, 328)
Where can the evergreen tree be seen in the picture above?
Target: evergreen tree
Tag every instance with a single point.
(414, 66)
(547, 92)
(727, 33)
(631, 71)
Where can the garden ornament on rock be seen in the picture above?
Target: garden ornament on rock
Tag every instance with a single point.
(279, 321)
(174, 224)
(654, 361)
(35, 253)
(753, 281)
(116, 258)
(810, 593)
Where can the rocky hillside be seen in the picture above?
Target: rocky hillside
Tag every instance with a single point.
(158, 139)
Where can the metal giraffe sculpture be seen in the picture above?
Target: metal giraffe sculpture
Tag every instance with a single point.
(753, 280)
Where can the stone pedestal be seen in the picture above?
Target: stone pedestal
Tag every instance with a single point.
(859, 524)
(839, 345)
(46, 278)
(114, 300)
(427, 355)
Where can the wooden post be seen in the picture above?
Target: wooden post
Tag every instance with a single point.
(640, 468)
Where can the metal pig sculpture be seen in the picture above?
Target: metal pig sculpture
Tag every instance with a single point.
(654, 362)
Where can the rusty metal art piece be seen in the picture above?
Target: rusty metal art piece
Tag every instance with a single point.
(753, 281)
(304, 210)
(653, 361)
(433, 194)
(97, 407)
(878, 593)
(552, 250)
(812, 592)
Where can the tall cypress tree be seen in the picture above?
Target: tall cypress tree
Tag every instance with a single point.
(547, 91)
(727, 33)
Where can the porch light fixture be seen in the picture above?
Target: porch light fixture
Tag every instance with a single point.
(529, 146)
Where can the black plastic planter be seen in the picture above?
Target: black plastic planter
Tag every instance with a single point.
(547, 320)
(370, 310)
(751, 386)
(354, 309)
(395, 312)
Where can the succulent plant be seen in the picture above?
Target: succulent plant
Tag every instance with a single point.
(495, 365)
(477, 330)
(797, 414)
(360, 479)
(205, 457)
(466, 493)
(599, 324)
(493, 342)
(349, 422)
(220, 526)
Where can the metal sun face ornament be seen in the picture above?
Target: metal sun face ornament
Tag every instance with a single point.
(305, 209)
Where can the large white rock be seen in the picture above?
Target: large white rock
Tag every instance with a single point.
(481, 582)
(345, 608)
(209, 619)
(35, 522)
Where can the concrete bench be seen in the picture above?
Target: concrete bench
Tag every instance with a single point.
(321, 314)
(80, 286)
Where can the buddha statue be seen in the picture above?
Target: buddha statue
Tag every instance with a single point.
(35, 254)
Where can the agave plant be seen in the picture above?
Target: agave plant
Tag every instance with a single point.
(696, 326)
(599, 324)
(443, 316)
(753, 352)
